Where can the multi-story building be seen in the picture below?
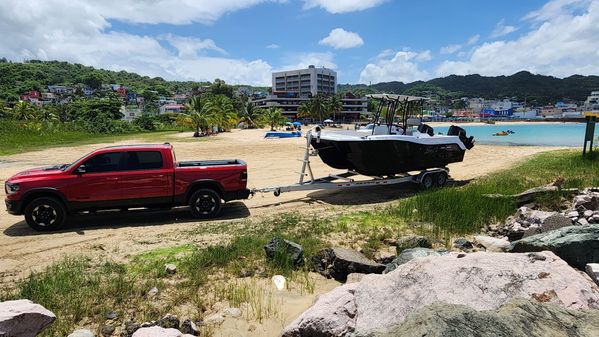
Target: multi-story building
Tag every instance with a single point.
(592, 102)
(292, 88)
(305, 82)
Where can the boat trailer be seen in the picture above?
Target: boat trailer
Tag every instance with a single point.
(426, 179)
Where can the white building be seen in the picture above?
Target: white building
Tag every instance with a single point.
(592, 102)
(305, 82)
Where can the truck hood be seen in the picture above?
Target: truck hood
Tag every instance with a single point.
(38, 172)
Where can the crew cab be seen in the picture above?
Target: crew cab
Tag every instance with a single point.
(123, 177)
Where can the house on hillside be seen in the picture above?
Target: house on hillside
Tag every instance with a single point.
(171, 108)
(61, 90)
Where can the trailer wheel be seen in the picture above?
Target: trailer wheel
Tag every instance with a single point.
(441, 179)
(427, 181)
(205, 203)
(277, 193)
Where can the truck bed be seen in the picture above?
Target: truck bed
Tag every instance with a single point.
(206, 163)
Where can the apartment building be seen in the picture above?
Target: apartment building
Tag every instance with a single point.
(292, 88)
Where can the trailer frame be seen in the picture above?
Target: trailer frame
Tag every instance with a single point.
(434, 177)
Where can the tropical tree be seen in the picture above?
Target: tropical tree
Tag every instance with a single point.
(23, 111)
(304, 110)
(47, 115)
(273, 116)
(197, 116)
(222, 111)
(335, 105)
(250, 114)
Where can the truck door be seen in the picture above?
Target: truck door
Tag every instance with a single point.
(145, 180)
(98, 182)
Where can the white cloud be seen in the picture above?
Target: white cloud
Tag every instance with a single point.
(501, 29)
(402, 66)
(303, 60)
(273, 46)
(450, 49)
(562, 43)
(340, 38)
(473, 39)
(75, 32)
(342, 6)
(189, 47)
(424, 56)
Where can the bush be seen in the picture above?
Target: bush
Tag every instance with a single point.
(145, 122)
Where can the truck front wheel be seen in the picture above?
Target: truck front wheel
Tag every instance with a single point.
(45, 214)
(205, 203)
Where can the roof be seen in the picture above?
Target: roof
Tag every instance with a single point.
(398, 97)
(140, 146)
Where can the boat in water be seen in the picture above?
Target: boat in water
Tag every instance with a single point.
(390, 147)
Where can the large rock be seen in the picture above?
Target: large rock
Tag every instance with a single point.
(516, 318)
(492, 244)
(577, 245)
(23, 318)
(552, 222)
(156, 331)
(408, 255)
(482, 281)
(291, 250)
(412, 241)
(339, 262)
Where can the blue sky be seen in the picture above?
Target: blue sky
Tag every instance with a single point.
(242, 41)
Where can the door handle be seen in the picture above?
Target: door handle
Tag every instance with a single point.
(158, 176)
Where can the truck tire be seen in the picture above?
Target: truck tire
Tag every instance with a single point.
(205, 203)
(45, 214)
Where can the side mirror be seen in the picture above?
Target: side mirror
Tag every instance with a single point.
(81, 169)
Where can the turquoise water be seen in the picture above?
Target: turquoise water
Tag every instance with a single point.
(558, 134)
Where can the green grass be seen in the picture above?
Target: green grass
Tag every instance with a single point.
(463, 210)
(17, 139)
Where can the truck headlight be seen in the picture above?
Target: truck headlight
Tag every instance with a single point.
(11, 188)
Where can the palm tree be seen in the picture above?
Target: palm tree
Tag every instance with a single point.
(250, 114)
(47, 115)
(273, 116)
(221, 108)
(318, 106)
(304, 110)
(335, 105)
(23, 111)
(197, 115)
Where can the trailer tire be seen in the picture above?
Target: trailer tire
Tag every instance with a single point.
(427, 181)
(441, 179)
(205, 203)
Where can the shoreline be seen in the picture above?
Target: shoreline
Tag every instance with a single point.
(433, 124)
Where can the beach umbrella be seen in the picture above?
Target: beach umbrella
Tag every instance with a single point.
(296, 123)
(328, 121)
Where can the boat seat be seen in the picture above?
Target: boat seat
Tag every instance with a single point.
(423, 128)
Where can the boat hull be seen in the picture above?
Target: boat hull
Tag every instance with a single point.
(386, 157)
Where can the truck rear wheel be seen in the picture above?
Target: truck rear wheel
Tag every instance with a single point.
(205, 203)
(45, 214)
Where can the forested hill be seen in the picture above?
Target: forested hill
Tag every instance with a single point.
(522, 85)
(16, 78)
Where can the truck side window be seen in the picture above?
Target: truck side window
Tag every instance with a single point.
(144, 160)
(105, 162)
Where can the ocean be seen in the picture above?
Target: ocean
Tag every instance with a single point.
(540, 134)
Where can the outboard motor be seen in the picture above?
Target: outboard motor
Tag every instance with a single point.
(423, 128)
(458, 131)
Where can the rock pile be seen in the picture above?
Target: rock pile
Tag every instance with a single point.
(480, 281)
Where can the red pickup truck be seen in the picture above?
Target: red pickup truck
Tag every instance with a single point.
(123, 177)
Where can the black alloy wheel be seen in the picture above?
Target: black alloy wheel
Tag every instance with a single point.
(45, 214)
(205, 203)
